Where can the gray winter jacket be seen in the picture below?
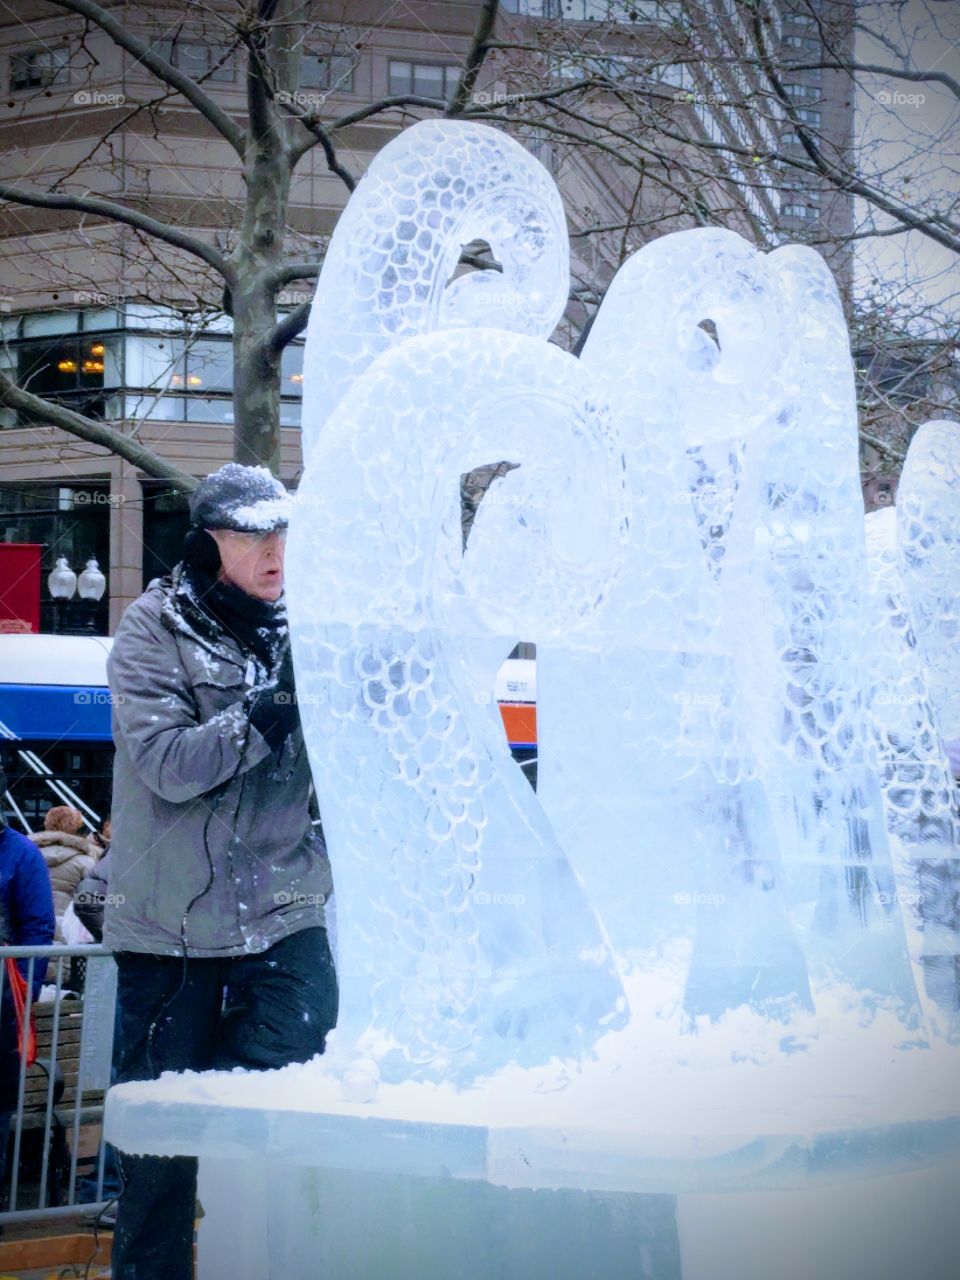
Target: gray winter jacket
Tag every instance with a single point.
(197, 789)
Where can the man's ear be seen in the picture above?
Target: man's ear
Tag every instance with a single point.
(201, 550)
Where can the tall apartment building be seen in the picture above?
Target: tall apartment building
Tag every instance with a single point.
(97, 318)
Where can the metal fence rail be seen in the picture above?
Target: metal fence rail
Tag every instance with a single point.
(77, 1073)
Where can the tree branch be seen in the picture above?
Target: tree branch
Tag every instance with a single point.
(285, 330)
(110, 438)
(139, 49)
(386, 104)
(891, 451)
(844, 181)
(868, 68)
(319, 134)
(486, 20)
(259, 90)
(99, 208)
(290, 271)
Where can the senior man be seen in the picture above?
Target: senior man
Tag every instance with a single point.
(218, 875)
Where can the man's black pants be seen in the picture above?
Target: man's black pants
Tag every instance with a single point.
(256, 1011)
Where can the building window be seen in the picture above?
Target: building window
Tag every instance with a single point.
(621, 68)
(426, 80)
(655, 11)
(140, 363)
(154, 362)
(73, 370)
(804, 44)
(209, 366)
(808, 116)
(166, 519)
(588, 10)
(199, 61)
(806, 209)
(324, 71)
(86, 768)
(39, 68)
(803, 92)
(533, 8)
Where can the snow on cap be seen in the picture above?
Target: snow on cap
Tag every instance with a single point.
(248, 499)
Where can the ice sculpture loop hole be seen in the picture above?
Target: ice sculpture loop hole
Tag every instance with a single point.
(709, 327)
(475, 255)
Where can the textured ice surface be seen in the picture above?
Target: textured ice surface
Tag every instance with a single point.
(919, 792)
(387, 274)
(682, 534)
(466, 941)
(793, 586)
(928, 525)
(646, 769)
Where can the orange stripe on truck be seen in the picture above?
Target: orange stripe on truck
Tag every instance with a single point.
(520, 722)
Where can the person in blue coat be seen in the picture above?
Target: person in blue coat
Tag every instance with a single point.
(26, 919)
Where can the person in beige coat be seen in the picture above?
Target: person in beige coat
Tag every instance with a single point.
(69, 856)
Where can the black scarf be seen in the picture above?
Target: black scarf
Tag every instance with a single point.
(258, 626)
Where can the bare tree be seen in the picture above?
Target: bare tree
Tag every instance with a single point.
(652, 116)
(250, 263)
(829, 122)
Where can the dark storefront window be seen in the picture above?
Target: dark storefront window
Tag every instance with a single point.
(165, 521)
(70, 521)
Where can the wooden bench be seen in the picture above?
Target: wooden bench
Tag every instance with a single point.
(68, 1061)
(63, 1119)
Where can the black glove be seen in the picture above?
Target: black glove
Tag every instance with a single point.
(273, 711)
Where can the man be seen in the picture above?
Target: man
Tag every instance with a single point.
(26, 920)
(218, 877)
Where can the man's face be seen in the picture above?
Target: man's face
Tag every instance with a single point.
(252, 561)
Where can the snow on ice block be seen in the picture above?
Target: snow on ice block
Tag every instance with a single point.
(298, 1182)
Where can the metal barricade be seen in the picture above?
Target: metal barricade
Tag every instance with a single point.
(63, 1092)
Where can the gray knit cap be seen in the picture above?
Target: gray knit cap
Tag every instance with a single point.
(248, 499)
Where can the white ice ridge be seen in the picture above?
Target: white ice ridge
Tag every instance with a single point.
(708, 861)
(388, 273)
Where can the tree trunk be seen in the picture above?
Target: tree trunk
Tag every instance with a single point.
(256, 380)
(256, 362)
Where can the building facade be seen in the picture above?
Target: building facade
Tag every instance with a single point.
(98, 318)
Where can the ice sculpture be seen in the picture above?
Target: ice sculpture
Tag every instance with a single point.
(680, 812)
(465, 940)
(919, 792)
(685, 967)
(928, 535)
(921, 798)
(797, 566)
(735, 857)
(388, 272)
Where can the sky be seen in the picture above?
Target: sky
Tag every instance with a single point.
(910, 139)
